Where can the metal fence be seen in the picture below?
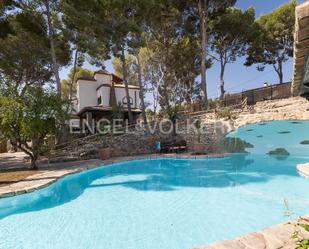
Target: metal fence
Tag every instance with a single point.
(279, 91)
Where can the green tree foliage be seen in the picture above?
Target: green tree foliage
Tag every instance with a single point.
(88, 25)
(132, 76)
(125, 25)
(137, 67)
(4, 24)
(272, 42)
(106, 23)
(43, 17)
(152, 74)
(229, 37)
(27, 119)
(28, 111)
(200, 13)
(24, 54)
(52, 26)
(174, 54)
(185, 65)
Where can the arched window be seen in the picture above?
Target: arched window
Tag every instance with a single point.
(124, 101)
(99, 100)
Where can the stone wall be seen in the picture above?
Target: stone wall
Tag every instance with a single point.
(296, 108)
(141, 141)
(137, 142)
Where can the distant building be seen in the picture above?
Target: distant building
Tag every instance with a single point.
(97, 97)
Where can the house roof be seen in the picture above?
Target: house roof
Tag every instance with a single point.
(115, 78)
(119, 86)
(103, 109)
(85, 78)
(101, 71)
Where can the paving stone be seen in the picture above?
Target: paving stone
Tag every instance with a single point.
(272, 242)
(275, 237)
(230, 244)
(253, 240)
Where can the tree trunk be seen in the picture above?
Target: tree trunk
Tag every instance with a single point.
(280, 73)
(155, 101)
(222, 69)
(35, 152)
(166, 97)
(141, 91)
(73, 76)
(31, 154)
(124, 68)
(34, 165)
(51, 34)
(203, 15)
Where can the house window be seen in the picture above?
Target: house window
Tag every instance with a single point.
(100, 100)
(124, 101)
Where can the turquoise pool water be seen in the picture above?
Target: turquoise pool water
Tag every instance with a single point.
(165, 203)
(266, 136)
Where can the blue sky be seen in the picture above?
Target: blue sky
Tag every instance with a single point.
(237, 76)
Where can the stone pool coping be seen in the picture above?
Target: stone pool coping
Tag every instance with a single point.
(50, 174)
(303, 169)
(274, 237)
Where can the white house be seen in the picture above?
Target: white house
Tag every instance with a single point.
(96, 97)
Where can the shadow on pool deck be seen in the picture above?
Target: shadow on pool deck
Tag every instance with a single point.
(166, 175)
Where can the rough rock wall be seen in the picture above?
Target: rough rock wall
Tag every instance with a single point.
(138, 142)
(143, 142)
(296, 108)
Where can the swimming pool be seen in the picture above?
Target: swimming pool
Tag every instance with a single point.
(165, 203)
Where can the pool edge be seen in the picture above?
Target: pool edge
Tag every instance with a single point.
(273, 237)
(37, 182)
(303, 169)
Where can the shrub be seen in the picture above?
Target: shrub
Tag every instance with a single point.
(213, 104)
(226, 112)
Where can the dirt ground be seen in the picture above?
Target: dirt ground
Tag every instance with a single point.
(13, 168)
(10, 176)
